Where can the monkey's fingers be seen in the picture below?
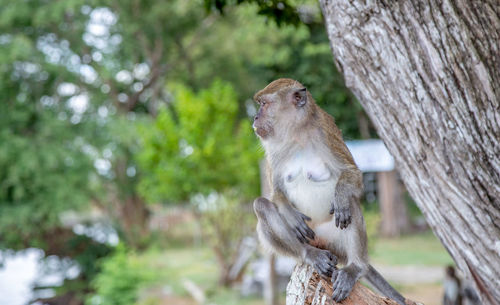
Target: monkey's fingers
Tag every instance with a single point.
(324, 270)
(306, 234)
(342, 294)
(345, 220)
(310, 233)
(305, 217)
(342, 286)
(339, 294)
(333, 259)
(304, 229)
(327, 273)
(332, 209)
(342, 218)
(300, 237)
(303, 233)
(324, 264)
(335, 274)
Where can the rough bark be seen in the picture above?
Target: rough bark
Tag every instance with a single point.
(307, 288)
(428, 75)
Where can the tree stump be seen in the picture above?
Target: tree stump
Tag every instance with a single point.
(306, 287)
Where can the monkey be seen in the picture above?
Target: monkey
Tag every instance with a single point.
(316, 189)
(451, 285)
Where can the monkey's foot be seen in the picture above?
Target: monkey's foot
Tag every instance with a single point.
(323, 261)
(343, 282)
(299, 226)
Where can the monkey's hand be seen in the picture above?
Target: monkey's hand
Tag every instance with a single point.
(343, 215)
(347, 193)
(297, 222)
(323, 261)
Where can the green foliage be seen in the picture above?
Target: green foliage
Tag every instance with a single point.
(43, 168)
(281, 11)
(48, 147)
(202, 143)
(122, 275)
(90, 252)
(199, 146)
(307, 58)
(40, 176)
(266, 51)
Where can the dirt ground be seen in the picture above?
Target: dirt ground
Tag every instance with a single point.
(428, 294)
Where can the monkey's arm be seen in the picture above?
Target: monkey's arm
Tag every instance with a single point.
(276, 234)
(347, 193)
(350, 183)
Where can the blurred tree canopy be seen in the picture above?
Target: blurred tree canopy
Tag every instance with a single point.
(113, 104)
(44, 167)
(197, 146)
(282, 11)
(77, 76)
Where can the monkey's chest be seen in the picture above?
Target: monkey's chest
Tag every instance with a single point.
(310, 186)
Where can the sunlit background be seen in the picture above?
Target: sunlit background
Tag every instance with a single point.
(128, 164)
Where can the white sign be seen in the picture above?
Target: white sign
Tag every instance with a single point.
(371, 155)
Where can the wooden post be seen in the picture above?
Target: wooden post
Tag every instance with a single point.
(307, 288)
(392, 206)
(270, 287)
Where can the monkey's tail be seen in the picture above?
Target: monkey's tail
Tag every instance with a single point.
(378, 281)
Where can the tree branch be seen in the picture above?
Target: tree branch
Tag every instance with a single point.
(306, 287)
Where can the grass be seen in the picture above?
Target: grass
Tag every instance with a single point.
(197, 264)
(420, 249)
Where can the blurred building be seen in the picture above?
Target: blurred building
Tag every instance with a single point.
(382, 184)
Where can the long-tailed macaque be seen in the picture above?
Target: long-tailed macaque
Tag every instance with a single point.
(313, 176)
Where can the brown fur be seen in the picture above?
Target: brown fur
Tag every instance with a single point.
(293, 128)
(318, 118)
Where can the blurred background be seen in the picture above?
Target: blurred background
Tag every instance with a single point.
(128, 165)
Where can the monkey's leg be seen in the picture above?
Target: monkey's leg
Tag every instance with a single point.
(350, 246)
(276, 234)
(295, 219)
(344, 279)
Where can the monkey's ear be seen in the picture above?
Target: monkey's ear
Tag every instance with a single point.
(300, 97)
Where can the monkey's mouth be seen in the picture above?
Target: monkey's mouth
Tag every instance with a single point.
(260, 131)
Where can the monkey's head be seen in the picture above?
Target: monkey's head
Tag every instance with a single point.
(285, 105)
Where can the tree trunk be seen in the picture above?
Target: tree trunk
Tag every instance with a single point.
(428, 75)
(133, 217)
(307, 288)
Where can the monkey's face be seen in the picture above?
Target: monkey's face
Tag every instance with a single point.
(265, 119)
(280, 111)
